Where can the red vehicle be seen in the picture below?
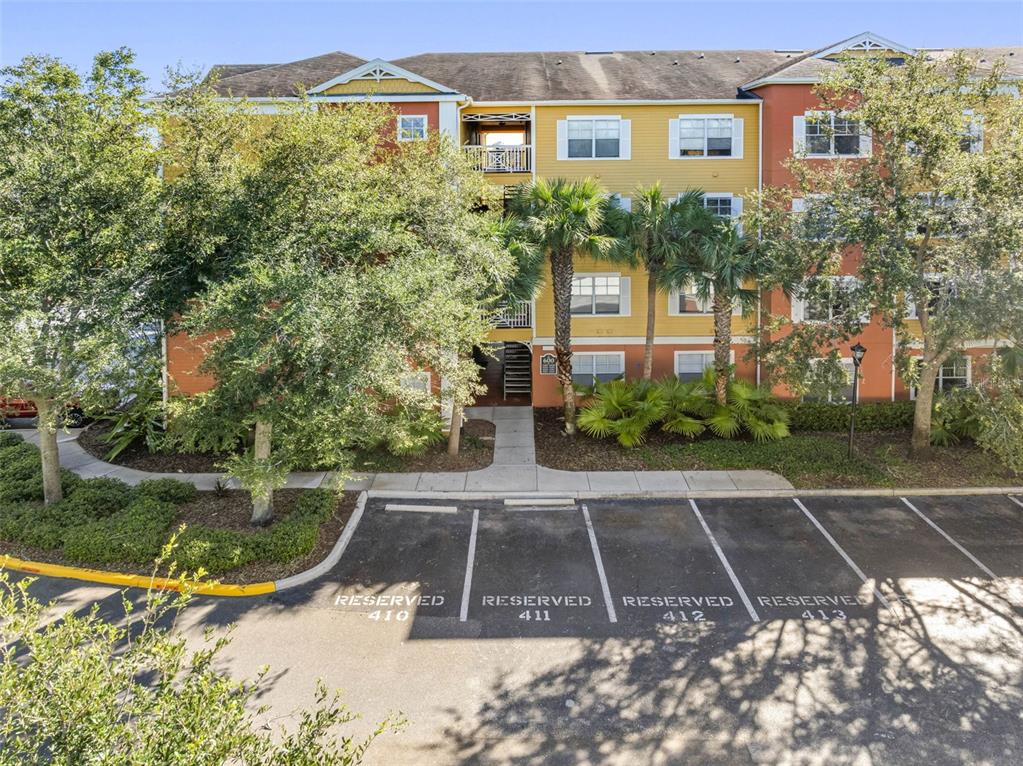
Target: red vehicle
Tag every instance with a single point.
(21, 408)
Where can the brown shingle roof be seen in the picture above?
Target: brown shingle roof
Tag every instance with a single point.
(287, 79)
(571, 75)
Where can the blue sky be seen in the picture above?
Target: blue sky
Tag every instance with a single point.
(202, 32)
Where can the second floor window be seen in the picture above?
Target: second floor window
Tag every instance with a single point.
(705, 136)
(597, 295)
(832, 135)
(594, 138)
(411, 127)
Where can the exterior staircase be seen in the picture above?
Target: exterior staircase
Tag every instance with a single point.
(518, 370)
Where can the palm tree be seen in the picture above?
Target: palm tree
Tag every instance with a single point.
(659, 234)
(563, 218)
(725, 262)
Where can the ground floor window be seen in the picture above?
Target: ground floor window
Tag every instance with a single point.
(587, 368)
(827, 390)
(689, 365)
(954, 373)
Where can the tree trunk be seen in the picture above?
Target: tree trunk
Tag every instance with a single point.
(262, 507)
(48, 451)
(920, 444)
(561, 278)
(722, 346)
(454, 435)
(651, 318)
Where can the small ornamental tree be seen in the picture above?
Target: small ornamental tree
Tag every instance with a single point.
(334, 290)
(79, 217)
(562, 219)
(83, 689)
(931, 222)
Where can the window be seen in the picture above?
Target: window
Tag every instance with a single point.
(589, 368)
(686, 301)
(705, 136)
(831, 135)
(972, 137)
(828, 303)
(935, 285)
(597, 294)
(689, 365)
(822, 389)
(411, 127)
(594, 138)
(954, 373)
(719, 205)
(416, 381)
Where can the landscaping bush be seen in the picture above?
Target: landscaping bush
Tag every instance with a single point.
(292, 536)
(134, 535)
(628, 409)
(834, 416)
(8, 439)
(94, 499)
(166, 490)
(21, 473)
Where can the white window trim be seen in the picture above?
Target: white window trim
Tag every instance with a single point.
(735, 155)
(801, 301)
(814, 116)
(911, 312)
(426, 126)
(939, 378)
(673, 296)
(845, 361)
(592, 118)
(624, 284)
(693, 352)
(620, 355)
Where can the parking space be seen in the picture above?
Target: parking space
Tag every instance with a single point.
(484, 569)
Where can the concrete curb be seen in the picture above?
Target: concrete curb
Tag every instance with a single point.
(121, 579)
(707, 494)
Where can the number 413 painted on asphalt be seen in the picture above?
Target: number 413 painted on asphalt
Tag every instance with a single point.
(824, 614)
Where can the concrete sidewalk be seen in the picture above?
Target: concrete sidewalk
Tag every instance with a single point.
(513, 469)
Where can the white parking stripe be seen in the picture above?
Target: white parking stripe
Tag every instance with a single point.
(600, 566)
(724, 561)
(944, 534)
(841, 551)
(470, 560)
(1016, 500)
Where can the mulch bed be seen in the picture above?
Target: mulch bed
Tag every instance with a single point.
(477, 451)
(882, 459)
(229, 510)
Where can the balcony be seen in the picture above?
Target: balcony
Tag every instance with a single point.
(501, 159)
(519, 315)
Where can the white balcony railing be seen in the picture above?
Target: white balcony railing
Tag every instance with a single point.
(519, 315)
(501, 159)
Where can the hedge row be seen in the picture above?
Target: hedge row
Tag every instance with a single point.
(104, 521)
(870, 416)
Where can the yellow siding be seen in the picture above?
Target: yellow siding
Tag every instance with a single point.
(650, 161)
(397, 85)
(521, 334)
(508, 179)
(633, 325)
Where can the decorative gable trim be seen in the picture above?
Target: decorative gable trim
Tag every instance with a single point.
(380, 71)
(865, 41)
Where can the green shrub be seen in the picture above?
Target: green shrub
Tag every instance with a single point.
(134, 535)
(8, 439)
(214, 550)
(628, 409)
(316, 502)
(94, 499)
(834, 416)
(166, 490)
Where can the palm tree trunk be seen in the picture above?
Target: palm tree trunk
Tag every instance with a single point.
(561, 279)
(920, 443)
(651, 318)
(49, 453)
(262, 507)
(722, 346)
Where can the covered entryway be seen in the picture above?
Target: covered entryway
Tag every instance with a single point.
(507, 372)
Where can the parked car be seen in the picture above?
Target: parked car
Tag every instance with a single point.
(11, 409)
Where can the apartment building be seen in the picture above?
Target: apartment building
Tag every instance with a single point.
(721, 121)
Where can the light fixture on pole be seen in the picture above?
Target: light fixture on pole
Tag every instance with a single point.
(858, 352)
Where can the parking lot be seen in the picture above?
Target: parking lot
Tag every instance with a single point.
(493, 569)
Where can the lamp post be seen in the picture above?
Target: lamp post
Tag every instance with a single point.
(858, 352)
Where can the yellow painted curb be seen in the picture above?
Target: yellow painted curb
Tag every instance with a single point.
(131, 580)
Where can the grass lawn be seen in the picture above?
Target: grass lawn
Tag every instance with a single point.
(808, 460)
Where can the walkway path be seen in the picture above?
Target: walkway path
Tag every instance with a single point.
(514, 469)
